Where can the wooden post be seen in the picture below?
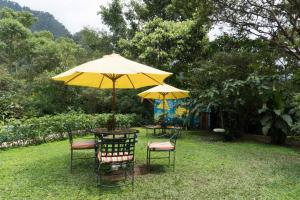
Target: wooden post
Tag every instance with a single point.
(113, 104)
(164, 105)
(164, 113)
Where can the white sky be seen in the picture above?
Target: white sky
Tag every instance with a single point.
(73, 14)
(77, 14)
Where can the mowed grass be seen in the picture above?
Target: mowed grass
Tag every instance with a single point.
(206, 168)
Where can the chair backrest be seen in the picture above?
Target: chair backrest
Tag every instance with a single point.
(173, 138)
(123, 145)
(70, 134)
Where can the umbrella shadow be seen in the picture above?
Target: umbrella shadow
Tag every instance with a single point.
(55, 171)
(156, 169)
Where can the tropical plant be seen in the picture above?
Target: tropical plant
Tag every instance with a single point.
(275, 121)
(296, 104)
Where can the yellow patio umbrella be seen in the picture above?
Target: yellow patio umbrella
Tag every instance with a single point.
(113, 71)
(164, 92)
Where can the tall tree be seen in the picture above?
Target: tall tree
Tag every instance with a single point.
(25, 18)
(95, 43)
(70, 52)
(13, 37)
(277, 21)
(113, 17)
(177, 10)
(169, 45)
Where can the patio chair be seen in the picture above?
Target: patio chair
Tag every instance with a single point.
(154, 128)
(167, 146)
(117, 152)
(79, 145)
(178, 130)
(174, 130)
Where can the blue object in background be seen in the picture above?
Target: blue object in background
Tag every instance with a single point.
(176, 114)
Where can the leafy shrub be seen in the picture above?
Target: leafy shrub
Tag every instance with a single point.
(296, 104)
(39, 129)
(275, 120)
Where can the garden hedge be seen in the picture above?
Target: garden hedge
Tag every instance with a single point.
(41, 129)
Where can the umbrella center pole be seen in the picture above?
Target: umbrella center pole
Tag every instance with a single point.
(164, 105)
(113, 78)
(114, 96)
(112, 124)
(164, 113)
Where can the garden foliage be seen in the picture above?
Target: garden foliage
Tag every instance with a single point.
(41, 129)
(233, 76)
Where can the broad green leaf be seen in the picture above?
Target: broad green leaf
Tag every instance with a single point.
(288, 119)
(277, 112)
(266, 128)
(265, 120)
(279, 102)
(263, 109)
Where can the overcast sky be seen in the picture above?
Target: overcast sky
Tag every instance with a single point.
(76, 14)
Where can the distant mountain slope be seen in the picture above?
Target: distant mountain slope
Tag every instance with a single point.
(46, 21)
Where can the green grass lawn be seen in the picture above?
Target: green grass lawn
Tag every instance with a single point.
(206, 168)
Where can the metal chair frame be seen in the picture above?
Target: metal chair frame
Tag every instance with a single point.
(154, 128)
(123, 145)
(173, 140)
(70, 136)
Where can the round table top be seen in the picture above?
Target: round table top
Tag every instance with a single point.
(105, 131)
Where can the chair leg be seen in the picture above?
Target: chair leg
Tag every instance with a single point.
(71, 166)
(96, 159)
(149, 158)
(99, 175)
(174, 161)
(132, 183)
(125, 172)
(169, 158)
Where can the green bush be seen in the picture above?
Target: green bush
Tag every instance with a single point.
(296, 104)
(40, 129)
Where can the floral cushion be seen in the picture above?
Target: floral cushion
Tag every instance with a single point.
(84, 145)
(161, 146)
(116, 158)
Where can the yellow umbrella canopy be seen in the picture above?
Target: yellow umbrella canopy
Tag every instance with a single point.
(113, 71)
(164, 92)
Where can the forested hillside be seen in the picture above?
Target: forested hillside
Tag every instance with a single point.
(45, 20)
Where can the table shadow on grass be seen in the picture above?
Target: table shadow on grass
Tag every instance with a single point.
(54, 173)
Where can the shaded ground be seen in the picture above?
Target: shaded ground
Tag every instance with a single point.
(206, 168)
